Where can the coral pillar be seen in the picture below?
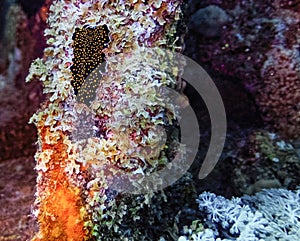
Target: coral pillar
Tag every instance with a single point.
(85, 137)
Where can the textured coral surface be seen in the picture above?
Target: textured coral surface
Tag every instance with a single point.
(257, 44)
(76, 173)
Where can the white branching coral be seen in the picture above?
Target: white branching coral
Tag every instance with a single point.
(269, 215)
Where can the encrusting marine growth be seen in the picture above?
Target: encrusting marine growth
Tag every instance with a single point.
(115, 128)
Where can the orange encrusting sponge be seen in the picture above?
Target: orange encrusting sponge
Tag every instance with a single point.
(60, 207)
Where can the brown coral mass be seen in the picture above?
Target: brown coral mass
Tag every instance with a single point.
(88, 45)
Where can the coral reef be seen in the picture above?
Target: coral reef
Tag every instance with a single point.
(89, 150)
(265, 161)
(257, 43)
(104, 126)
(253, 159)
